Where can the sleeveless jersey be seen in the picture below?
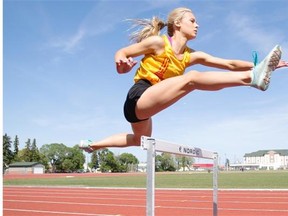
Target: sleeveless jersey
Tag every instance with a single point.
(156, 68)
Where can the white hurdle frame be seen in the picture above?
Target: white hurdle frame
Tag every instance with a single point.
(152, 146)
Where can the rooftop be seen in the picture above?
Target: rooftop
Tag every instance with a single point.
(24, 164)
(282, 152)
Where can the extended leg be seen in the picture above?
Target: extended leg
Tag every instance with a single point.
(122, 139)
(167, 92)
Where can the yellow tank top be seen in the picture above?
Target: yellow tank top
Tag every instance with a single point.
(156, 68)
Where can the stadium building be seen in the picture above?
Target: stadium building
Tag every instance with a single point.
(264, 159)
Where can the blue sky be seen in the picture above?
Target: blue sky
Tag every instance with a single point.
(61, 86)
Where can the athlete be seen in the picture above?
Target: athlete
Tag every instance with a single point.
(160, 80)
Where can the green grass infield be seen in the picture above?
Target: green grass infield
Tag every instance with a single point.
(194, 180)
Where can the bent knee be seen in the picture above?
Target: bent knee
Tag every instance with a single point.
(191, 78)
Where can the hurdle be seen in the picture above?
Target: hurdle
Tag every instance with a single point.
(152, 146)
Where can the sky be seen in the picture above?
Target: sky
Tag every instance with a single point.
(60, 84)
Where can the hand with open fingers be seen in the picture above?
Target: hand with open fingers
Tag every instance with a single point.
(282, 64)
(125, 65)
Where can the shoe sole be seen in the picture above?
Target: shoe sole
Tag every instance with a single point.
(273, 57)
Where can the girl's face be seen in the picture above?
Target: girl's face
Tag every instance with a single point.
(188, 26)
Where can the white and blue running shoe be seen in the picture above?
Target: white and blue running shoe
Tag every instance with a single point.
(261, 73)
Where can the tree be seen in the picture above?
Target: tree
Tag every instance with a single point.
(55, 154)
(127, 161)
(184, 162)
(44, 161)
(16, 146)
(30, 152)
(94, 164)
(27, 152)
(165, 162)
(127, 158)
(67, 165)
(63, 158)
(108, 162)
(20, 156)
(76, 157)
(34, 152)
(7, 152)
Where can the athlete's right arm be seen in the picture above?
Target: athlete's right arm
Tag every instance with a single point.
(124, 57)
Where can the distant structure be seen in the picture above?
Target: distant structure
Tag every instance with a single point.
(26, 168)
(264, 159)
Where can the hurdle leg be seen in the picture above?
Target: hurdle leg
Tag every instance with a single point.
(150, 193)
(215, 184)
(152, 146)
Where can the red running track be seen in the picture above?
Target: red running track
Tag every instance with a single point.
(52, 201)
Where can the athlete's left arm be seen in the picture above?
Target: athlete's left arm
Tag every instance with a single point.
(205, 59)
(198, 57)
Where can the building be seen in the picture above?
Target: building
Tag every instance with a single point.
(26, 168)
(267, 159)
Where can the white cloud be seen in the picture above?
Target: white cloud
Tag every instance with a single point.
(102, 18)
(262, 37)
(70, 43)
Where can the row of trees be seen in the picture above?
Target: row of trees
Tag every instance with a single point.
(168, 162)
(29, 154)
(57, 157)
(106, 161)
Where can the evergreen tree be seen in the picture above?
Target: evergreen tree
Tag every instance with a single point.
(27, 151)
(16, 148)
(16, 145)
(34, 152)
(7, 152)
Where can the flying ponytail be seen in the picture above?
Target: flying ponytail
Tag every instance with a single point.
(146, 28)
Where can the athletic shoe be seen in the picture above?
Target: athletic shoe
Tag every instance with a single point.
(85, 145)
(262, 72)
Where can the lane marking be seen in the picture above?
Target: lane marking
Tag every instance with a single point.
(56, 212)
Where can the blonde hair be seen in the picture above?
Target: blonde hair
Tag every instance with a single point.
(151, 27)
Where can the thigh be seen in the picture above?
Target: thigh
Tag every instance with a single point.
(163, 95)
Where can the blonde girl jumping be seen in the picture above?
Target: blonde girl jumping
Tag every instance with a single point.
(160, 80)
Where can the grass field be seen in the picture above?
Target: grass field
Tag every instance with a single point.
(239, 180)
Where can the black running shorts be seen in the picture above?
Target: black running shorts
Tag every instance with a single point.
(133, 95)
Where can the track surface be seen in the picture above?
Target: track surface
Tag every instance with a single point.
(52, 201)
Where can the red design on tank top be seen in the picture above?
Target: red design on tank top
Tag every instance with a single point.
(160, 73)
